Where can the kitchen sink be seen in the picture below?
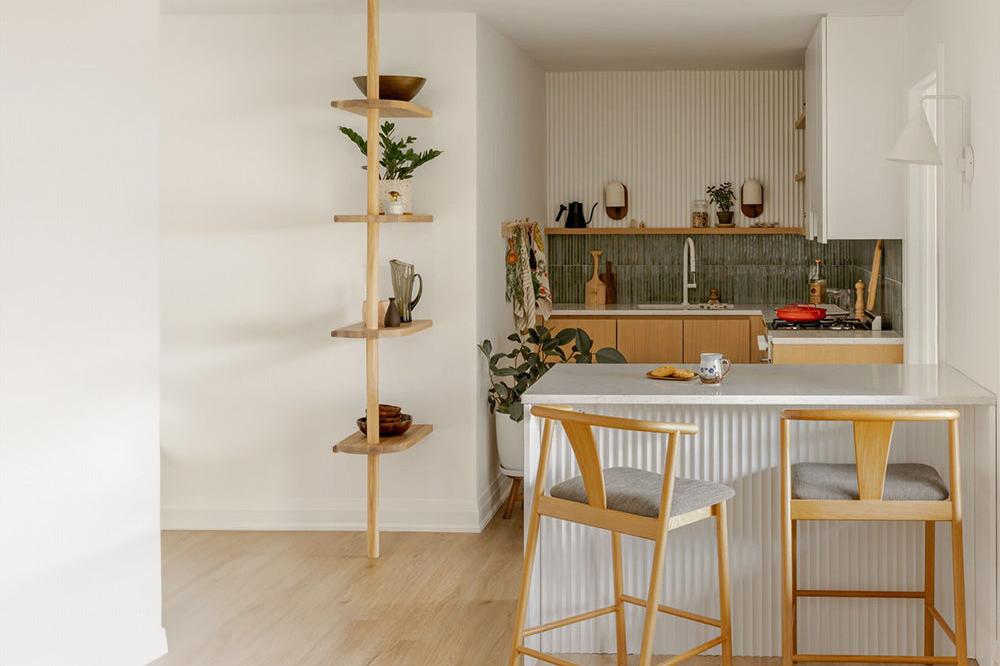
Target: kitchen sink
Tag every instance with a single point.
(681, 306)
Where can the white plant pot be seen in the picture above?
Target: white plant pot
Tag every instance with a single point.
(403, 187)
(510, 445)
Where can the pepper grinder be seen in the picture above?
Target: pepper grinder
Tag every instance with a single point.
(859, 303)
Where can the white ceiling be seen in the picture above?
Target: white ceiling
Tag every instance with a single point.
(619, 34)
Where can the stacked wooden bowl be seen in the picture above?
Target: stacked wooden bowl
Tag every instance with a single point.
(391, 421)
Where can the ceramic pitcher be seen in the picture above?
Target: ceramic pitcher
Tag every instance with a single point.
(713, 368)
(403, 276)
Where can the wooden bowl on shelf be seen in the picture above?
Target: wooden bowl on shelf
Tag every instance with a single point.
(401, 88)
(388, 427)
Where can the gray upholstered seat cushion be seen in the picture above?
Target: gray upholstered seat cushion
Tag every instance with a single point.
(828, 481)
(637, 491)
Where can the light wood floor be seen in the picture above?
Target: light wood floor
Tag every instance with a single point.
(303, 598)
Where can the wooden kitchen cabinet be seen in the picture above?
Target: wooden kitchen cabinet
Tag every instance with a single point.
(602, 331)
(652, 340)
(728, 336)
(843, 354)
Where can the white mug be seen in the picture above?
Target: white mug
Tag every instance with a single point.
(713, 368)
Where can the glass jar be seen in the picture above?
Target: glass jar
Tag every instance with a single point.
(699, 213)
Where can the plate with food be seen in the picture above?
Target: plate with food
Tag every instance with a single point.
(671, 373)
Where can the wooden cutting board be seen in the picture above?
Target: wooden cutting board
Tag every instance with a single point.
(610, 286)
(596, 292)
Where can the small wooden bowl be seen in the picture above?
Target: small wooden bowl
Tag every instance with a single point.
(390, 427)
(402, 88)
(386, 411)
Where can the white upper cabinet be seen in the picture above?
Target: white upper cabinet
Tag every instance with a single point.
(855, 108)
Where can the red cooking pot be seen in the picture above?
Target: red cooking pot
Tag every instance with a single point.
(801, 313)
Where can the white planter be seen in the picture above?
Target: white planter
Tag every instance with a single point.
(510, 445)
(403, 187)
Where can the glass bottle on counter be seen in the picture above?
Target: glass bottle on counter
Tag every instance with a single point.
(817, 284)
(699, 213)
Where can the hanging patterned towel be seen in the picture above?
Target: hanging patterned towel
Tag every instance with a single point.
(527, 273)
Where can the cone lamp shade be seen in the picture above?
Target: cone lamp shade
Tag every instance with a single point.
(916, 144)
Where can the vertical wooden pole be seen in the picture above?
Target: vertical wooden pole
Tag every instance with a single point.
(621, 638)
(725, 606)
(659, 553)
(371, 286)
(531, 545)
(787, 587)
(929, 556)
(957, 545)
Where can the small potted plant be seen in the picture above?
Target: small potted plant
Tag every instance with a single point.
(398, 161)
(511, 374)
(722, 196)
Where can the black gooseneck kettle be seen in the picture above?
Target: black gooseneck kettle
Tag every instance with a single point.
(575, 218)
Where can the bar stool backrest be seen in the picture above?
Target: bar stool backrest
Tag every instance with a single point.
(579, 431)
(873, 438)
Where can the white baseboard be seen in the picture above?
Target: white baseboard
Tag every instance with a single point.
(491, 499)
(334, 515)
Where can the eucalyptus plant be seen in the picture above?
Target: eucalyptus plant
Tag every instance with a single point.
(722, 195)
(536, 351)
(398, 159)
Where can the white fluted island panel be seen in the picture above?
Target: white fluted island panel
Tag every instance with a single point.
(738, 445)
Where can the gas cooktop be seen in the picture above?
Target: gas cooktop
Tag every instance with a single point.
(828, 324)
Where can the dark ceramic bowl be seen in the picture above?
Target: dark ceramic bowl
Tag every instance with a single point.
(402, 88)
(388, 427)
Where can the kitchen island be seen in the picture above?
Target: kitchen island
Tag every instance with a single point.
(738, 445)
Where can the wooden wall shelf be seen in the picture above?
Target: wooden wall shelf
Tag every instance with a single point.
(800, 122)
(359, 332)
(357, 442)
(681, 231)
(388, 108)
(409, 218)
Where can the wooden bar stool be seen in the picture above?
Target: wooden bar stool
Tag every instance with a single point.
(630, 501)
(872, 489)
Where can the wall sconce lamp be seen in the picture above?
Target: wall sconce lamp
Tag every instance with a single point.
(916, 144)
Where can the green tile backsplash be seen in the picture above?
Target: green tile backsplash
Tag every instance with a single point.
(745, 269)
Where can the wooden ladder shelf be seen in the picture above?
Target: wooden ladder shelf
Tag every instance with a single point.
(370, 330)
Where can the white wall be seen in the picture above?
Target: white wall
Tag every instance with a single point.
(963, 36)
(79, 334)
(255, 275)
(668, 135)
(968, 34)
(510, 135)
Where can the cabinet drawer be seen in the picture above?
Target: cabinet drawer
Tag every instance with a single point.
(793, 354)
(730, 337)
(651, 340)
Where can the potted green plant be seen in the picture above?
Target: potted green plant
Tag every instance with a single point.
(722, 196)
(511, 374)
(398, 161)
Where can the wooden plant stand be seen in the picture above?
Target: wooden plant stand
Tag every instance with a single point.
(371, 330)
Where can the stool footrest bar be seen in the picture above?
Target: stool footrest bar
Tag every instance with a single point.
(573, 619)
(864, 594)
(872, 659)
(541, 656)
(676, 612)
(945, 627)
(676, 659)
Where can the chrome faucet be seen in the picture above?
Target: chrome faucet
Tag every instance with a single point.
(689, 269)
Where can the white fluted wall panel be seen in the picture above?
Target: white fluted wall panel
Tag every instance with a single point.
(667, 135)
(739, 446)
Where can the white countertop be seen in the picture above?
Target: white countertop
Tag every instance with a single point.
(801, 337)
(627, 310)
(843, 385)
